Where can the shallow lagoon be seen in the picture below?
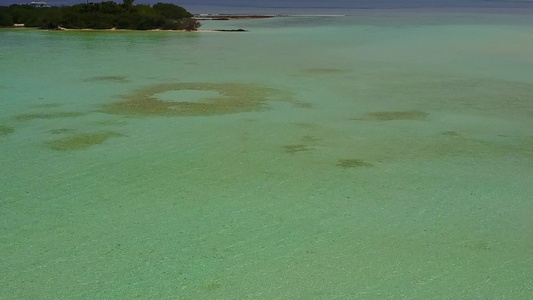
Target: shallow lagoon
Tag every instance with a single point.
(385, 155)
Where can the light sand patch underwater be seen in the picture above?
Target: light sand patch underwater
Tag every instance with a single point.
(176, 99)
(324, 71)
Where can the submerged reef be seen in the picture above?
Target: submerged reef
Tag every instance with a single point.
(232, 98)
(5, 130)
(300, 104)
(412, 115)
(81, 141)
(353, 163)
(157, 100)
(292, 149)
(48, 116)
(46, 105)
(309, 139)
(61, 130)
(450, 133)
(111, 78)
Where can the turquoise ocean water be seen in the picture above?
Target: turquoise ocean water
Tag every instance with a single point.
(385, 155)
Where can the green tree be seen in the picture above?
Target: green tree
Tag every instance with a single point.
(171, 11)
(5, 18)
(52, 18)
(127, 4)
(100, 15)
(25, 14)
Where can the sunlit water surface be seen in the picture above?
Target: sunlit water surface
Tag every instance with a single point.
(385, 155)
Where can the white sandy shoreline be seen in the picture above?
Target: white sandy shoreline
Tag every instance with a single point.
(131, 30)
(21, 26)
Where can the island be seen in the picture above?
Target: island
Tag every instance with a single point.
(101, 15)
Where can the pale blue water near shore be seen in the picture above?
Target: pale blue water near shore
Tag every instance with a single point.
(387, 155)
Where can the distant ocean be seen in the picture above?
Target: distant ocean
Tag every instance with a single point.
(316, 6)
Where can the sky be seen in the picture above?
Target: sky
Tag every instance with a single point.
(325, 5)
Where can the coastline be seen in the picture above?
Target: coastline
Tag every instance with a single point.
(115, 30)
(201, 17)
(126, 30)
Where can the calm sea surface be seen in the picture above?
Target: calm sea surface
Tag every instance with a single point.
(386, 155)
(313, 6)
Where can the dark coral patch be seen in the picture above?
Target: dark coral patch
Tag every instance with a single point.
(450, 133)
(213, 287)
(5, 130)
(49, 116)
(231, 98)
(47, 105)
(412, 115)
(292, 149)
(353, 163)
(61, 130)
(82, 140)
(112, 78)
(300, 104)
(111, 122)
(310, 139)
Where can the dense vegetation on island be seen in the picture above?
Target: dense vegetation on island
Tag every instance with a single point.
(101, 15)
